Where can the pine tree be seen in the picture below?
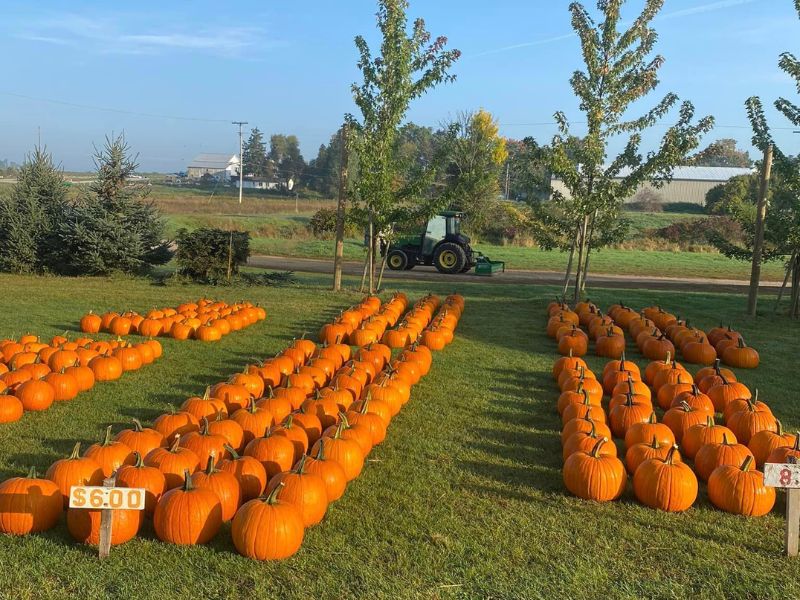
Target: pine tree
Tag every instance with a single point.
(114, 227)
(407, 67)
(30, 215)
(254, 155)
(619, 71)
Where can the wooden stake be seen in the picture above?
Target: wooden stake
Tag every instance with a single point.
(338, 254)
(758, 242)
(569, 263)
(105, 522)
(789, 270)
(371, 256)
(792, 517)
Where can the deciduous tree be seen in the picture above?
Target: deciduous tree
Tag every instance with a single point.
(406, 67)
(619, 71)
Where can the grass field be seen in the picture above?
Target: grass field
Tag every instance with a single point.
(463, 500)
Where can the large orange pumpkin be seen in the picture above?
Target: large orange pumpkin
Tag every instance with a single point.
(187, 515)
(74, 470)
(29, 504)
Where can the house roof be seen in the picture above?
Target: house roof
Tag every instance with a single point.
(214, 161)
(720, 174)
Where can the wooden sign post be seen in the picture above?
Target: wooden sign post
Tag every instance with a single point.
(107, 498)
(787, 476)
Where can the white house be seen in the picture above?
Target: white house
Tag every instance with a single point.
(221, 166)
(689, 184)
(257, 183)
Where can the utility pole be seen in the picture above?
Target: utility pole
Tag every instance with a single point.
(340, 213)
(758, 242)
(241, 157)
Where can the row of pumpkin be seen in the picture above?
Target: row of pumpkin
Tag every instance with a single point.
(205, 320)
(657, 334)
(34, 374)
(655, 452)
(271, 463)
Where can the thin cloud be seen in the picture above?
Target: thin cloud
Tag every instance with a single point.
(686, 12)
(705, 8)
(111, 36)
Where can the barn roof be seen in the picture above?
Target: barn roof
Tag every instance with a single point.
(720, 174)
(214, 161)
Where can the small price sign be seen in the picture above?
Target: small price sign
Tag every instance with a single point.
(113, 498)
(786, 476)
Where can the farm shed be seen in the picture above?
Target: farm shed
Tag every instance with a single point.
(688, 185)
(222, 166)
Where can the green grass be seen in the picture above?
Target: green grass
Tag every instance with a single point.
(463, 500)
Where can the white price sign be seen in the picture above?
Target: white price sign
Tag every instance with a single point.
(782, 475)
(97, 497)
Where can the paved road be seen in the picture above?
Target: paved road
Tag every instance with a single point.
(310, 265)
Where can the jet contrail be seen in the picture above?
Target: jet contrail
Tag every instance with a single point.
(686, 12)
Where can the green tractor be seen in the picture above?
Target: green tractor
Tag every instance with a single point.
(442, 245)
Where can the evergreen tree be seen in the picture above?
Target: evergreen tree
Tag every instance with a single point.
(254, 155)
(406, 68)
(619, 72)
(30, 215)
(114, 227)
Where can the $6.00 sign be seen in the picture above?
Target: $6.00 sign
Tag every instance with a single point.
(96, 497)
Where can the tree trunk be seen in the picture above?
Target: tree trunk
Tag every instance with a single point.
(569, 263)
(758, 243)
(789, 271)
(338, 253)
(383, 268)
(794, 307)
(371, 256)
(588, 251)
(581, 248)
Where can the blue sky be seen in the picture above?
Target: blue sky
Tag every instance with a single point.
(287, 67)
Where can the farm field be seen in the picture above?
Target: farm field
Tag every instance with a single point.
(276, 230)
(464, 498)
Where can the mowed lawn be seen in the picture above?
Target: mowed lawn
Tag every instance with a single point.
(464, 499)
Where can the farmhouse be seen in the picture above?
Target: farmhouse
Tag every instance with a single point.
(688, 185)
(221, 166)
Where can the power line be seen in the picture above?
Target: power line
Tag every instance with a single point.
(112, 110)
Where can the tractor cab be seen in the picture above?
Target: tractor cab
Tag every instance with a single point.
(440, 244)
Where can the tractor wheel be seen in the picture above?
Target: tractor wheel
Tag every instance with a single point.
(397, 260)
(449, 258)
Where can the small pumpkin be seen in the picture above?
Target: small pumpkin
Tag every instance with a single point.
(274, 452)
(74, 470)
(172, 462)
(110, 454)
(701, 434)
(591, 476)
(641, 433)
(268, 528)
(29, 504)
(765, 441)
(740, 489)
(305, 490)
(639, 453)
(141, 439)
(224, 484)
(248, 471)
(711, 456)
(187, 515)
(345, 451)
(665, 484)
(139, 475)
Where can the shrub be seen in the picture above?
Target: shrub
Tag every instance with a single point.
(211, 255)
(646, 200)
(700, 231)
(507, 225)
(323, 224)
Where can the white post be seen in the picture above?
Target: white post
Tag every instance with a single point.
(241, 157)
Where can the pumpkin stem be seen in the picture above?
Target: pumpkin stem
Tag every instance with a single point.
(287, 422)
(778, 427)
(748, 462)
(137, 425)
(76, 451)
(32, 473)
(187, 480)
(725, 439)
(668, 360)
(300, 467)
(272, 498)
(596, 449)
(652, 419)
(107, 438)
(231, 451)
(210, 464)
(137, 456)
(654, 443)
(207, 393)
(710, 421)
(321, 450)
(176, 443)
(671, 455)
(204, 426)
(685, 406)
